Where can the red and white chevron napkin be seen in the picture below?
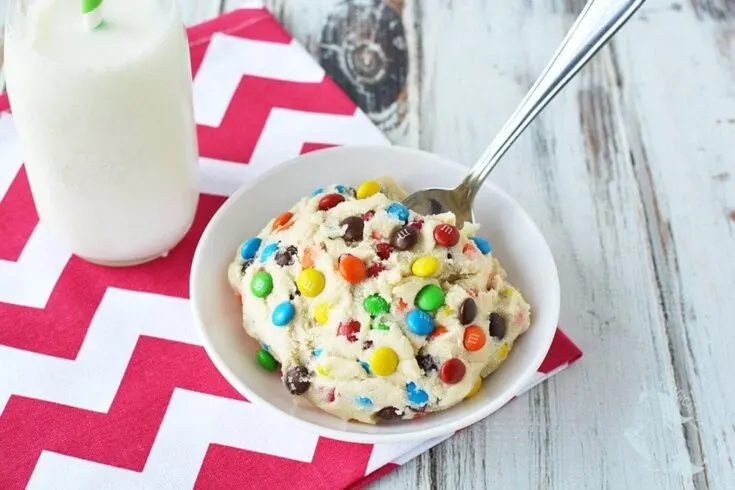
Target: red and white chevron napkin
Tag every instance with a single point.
(103, 383)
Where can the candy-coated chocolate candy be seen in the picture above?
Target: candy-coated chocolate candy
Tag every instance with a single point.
(375, 305)
(383, 250)
(379, 326)
(250, 248)
(266, 360)
(341, 189)
(482, 245)
(297, 380)
(284, 257)
(268, 251)
(420, 322)
(416, 396)
(384, 361)
(398, 210)
(310, 282)
(318, 351)
(475, 388)
(404, 238)
(507, 292)
(425, 266)
(417, 224)
(467, 311)
(474, 338)
(430, 298)
(426, 362)
(317, 191)
(367, 344)
(282, 220)
(322, 370)
(452, 371)
(364, 401)
(355, 226)
(365, 366)
(349, 329)
(262, 284)
(283, 314)
(390, 413)
(497, 326)
(321, 313)
(352, 268)
(446, 235)
(367, 189)
(329, 201)
(438, 331)
(368, 215)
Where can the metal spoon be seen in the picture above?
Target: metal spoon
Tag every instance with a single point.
(598, 22)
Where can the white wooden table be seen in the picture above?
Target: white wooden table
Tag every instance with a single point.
(631, 177)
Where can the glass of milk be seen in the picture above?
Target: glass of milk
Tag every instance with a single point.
(105, 119)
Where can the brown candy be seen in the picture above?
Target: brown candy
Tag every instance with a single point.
(497, 326)
(426, 362)
(244, 266)
(297, 380)
(355, 226)
(467, 311)
(404, 238)
(390, 413)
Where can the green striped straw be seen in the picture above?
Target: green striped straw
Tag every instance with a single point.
(92, 13)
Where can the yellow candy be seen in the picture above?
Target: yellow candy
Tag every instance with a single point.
(321, 313)
(384, 361)
(475, 387)
(322, 370)
(503, 352)
(425, 266)
(310, 282)
(507, 292)
(367, 189)
(447, 310)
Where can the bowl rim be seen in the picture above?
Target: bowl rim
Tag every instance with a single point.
(346, 435)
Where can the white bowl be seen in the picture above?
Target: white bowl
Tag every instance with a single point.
(517, 243)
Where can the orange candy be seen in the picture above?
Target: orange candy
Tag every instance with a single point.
(352, 269)
(440, 330)
(308, 261)
(402, 305)
(282, 220)
(474, 338)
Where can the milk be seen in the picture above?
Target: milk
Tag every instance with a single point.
(106, 124)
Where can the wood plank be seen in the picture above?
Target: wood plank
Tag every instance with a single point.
(365, 48)
(681, 136)
(195, 11)
(611, 421)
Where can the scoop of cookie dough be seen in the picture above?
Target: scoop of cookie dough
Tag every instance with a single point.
(374, 312)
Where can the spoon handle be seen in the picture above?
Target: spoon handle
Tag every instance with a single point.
(598, 22)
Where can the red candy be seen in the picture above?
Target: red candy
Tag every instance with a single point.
(375, 269)
(368, 216)
(452, 371)
(446, 235)
(384, 250)
(330, 200)
(350, 329)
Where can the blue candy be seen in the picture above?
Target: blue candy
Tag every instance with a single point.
(267, 347)
(268, 251)
(250, 248)
(364, 401)
(416, 395)
(483, 245)
(318, 351)
(317, 191)
(341, 189)
(283, 314)
(365, 366)
(399, 211)
(419, 322)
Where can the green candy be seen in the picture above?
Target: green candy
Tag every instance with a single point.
(261, 284)
(375, 305)
(266, 360)
(430, 298)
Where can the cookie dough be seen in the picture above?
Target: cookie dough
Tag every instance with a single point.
(374, 312)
